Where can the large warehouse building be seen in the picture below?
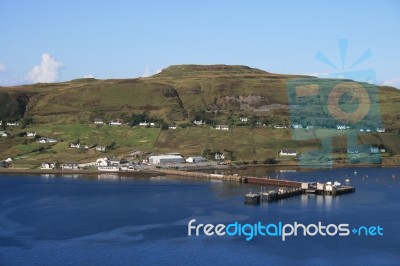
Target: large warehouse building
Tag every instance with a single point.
(165, 159)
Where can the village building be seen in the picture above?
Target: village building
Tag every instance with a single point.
(147, 124)
(195, 159)
(198, 122)
(297, 126)
(31, 134)
(219, 156)
(280, 127)
(165, 159)
(70, 166)
(117, 122)
(222, 127)
(102, 161)
(288, 152)
(98, 121)
(46, 140)
(101, 148)
(47, 165)
(75, 145)
(12, 123)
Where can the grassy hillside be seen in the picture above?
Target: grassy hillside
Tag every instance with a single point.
(218, 94)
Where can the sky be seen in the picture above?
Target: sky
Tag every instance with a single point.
(51, 41)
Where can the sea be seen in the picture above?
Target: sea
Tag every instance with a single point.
(112, 220)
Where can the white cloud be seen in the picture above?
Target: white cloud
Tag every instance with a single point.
(47, 71)
(3, 67)
(88, 76)
(392, 82)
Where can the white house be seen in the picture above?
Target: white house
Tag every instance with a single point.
(222, 127)
(98, 121)
(365, 129)
(279, 127)
(165, 159)
(46, 140)
(3, 134)
(30, 134)
(244, 119)
(381, 130)
(100, 148)
(8, 160)
(288, 152)
(198, 122)
(70, 166)
(102, 161)
(46, 165)
(145, 124)
(12, 124)
(195, 159)
(172, 127)
(114, 161)
(297, 126)
(75, 145)
(117, 122)
(219, 156)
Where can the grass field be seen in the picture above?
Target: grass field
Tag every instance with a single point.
(245, 143)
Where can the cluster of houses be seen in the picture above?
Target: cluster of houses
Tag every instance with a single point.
(369, 149)
(46, 140)
(119, 122)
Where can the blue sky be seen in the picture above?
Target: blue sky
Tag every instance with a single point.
(46, 40)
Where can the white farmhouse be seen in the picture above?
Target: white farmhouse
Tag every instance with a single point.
(117, 122)
(47, 165)
(75, 145)
(102, 161)
(12, 124)
(222, 127)
(98, 121)
(31, 134)
(288, 152)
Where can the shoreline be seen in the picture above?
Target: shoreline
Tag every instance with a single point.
(187, 171)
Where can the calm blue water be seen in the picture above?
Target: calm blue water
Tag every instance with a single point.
(90, 221)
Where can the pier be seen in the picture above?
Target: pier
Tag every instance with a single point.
(286, 189)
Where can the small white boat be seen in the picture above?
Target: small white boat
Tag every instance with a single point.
(355, 172)
(347, 180)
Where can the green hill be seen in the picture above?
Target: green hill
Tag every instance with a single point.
(217, 94)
